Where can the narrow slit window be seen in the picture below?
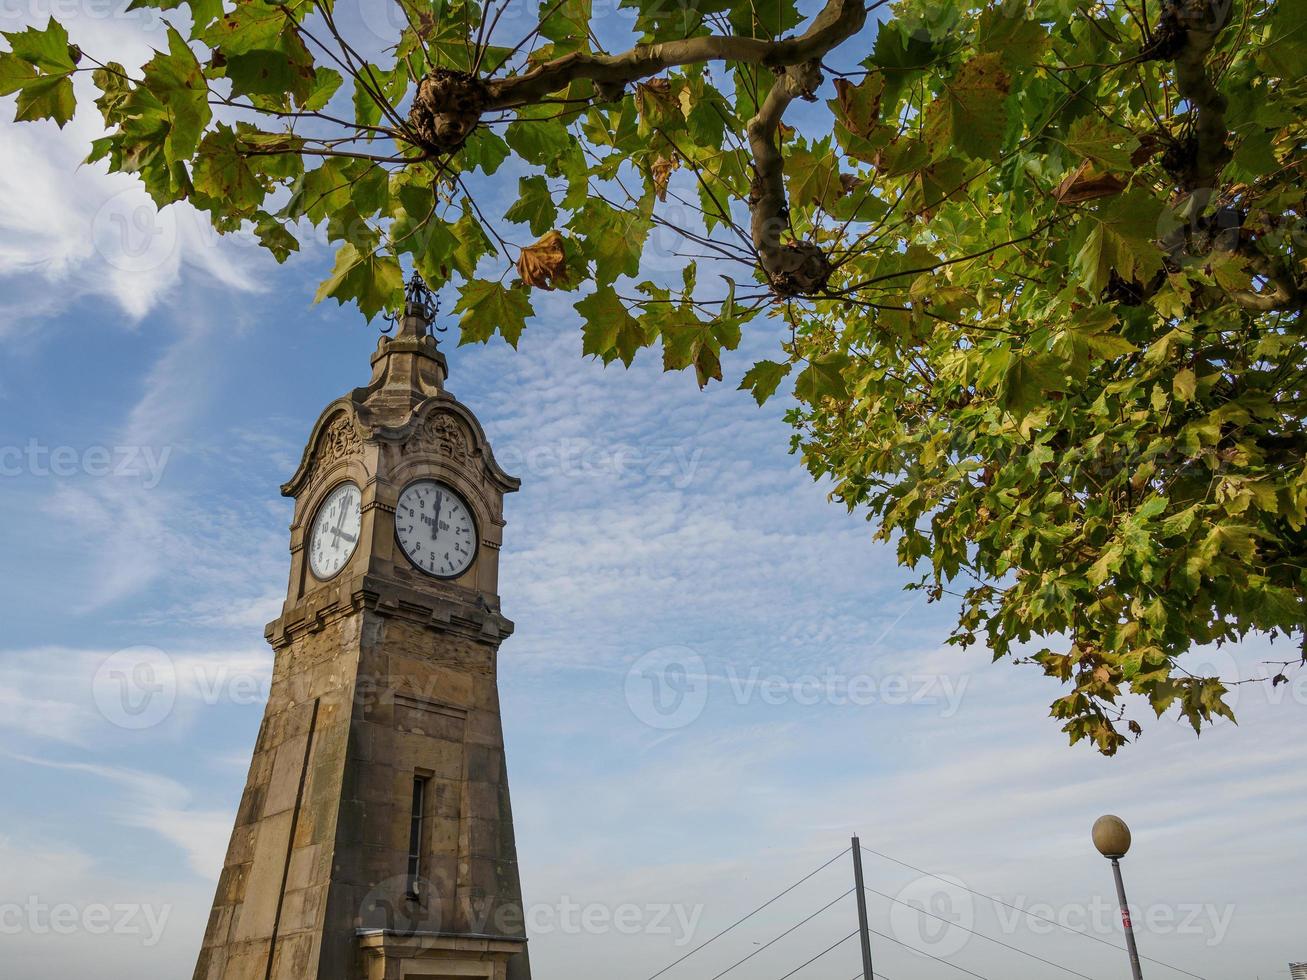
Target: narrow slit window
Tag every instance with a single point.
(415, 835)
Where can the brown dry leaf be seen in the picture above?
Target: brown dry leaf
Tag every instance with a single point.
(1087, 184)
(1150, 144)
(860, 104)
(661, 171)
(544, 264)
(849, 183)
(654, 97)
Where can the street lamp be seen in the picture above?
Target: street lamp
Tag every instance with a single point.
(1112, 838)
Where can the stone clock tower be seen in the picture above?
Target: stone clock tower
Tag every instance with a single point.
(375, 839)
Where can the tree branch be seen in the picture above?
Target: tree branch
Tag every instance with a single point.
(794, 268)
(837, 22)
(1185, 36)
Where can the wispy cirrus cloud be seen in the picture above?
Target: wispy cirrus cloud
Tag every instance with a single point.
(71, 230)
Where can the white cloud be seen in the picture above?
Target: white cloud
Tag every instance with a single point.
(162, 806)
(69, 230)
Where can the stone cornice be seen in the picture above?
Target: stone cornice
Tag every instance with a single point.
(452, 611)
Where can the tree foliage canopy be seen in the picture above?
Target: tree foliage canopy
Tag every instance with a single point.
(1038, 267)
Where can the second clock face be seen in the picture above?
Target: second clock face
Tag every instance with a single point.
(436, 529)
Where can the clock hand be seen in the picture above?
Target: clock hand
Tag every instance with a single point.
(435, 523)
(340, 523)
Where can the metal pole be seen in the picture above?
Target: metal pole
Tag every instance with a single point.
(867, 973)
(1125, 920)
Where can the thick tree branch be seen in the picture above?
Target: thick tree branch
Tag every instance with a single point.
(1281, 292)
(837, 22)
(449, 105)
(1186, 34)
(795, 268)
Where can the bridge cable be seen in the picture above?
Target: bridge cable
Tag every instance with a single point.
(741, 921)
(783, 935)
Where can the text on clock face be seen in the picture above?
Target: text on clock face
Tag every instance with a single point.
(335, 532)
(435, 528)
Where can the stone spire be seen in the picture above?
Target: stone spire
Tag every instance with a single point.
(408, 367)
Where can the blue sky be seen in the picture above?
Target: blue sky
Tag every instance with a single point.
(156, 387)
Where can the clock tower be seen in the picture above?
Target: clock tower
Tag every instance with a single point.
(374, 840)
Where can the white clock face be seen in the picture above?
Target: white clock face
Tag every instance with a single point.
(435, 528)
(335, 532)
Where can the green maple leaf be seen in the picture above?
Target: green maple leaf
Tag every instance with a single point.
(688, 340)
(538, 141)
(763, 379)
(970, 115)
(473, 243)
(1019, 41)
(813, 175)
(608, 330)
(1093, 138)
(613, 239)
(253, 25)
(326, 82)
(534, 206)
(567, 26)
(14, 73)
(47, 97)
(1119, 236)
(178, 82)
(764, 18)
(484, 149)
(46, 49)
(489, 308)
(275, 237)
(223, 173)
(823, 378)
(37, 67)
(373, 282)
(1027, 380)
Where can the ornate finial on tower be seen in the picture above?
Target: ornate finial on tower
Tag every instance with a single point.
(407, 367)
(420, 308)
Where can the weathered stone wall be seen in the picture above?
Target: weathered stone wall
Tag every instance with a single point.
(278, 868)
(393, 699)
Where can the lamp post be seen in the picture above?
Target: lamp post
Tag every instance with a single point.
(1112, 838)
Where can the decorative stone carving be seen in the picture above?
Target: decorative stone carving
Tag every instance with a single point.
(444, 435)
(340, 440)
